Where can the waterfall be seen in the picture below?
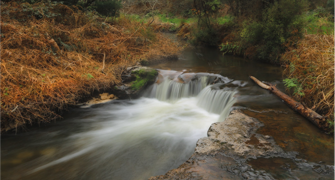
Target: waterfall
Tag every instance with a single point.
(172, 90)
(216, 100)
(213, 98)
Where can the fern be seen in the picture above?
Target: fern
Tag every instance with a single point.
(290, 83)
(293, 83)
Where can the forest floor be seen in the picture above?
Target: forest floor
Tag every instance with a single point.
(53, 55)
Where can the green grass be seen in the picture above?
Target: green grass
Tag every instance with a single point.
(174, 20)
(177, 21)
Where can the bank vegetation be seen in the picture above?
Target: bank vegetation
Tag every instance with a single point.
(295, 34)
(53, 55)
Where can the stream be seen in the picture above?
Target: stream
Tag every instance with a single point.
(140, 138)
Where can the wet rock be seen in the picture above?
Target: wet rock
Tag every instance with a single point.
(231, 144)
(233, 134)
(131, 87)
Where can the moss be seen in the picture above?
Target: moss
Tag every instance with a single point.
(142, 78)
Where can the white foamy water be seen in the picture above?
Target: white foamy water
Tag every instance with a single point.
(134, 139)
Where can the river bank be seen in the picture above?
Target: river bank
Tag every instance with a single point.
(300, 39)
(62, 57)
(139, 138)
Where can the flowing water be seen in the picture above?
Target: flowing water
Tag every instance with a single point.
(136, 139)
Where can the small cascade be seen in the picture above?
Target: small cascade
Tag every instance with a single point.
(172, 90)
(173, 85)
(216, 100)
(210, 90)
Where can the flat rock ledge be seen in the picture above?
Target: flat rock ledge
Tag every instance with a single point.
(231, 144)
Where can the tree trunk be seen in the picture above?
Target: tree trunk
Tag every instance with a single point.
(312, 116)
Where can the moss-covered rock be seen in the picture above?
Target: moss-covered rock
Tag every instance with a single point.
(143, 77)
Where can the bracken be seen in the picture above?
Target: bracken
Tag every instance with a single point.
(52, 55)
(311, 63)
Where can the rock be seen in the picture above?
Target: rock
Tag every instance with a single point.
(142, 68)
(232, 135)
(131, 87)
(105, 96)
(230, 144)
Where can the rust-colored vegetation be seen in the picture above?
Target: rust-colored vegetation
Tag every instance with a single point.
(52, 55)
(310, 72)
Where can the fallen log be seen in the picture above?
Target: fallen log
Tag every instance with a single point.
(312, 116)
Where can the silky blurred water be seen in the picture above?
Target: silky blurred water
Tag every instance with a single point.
(137, 139)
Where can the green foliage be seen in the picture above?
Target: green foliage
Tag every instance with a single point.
(142, 78)
(281, 23)
(205, 10)
(6, 91)
(330, 7)
(108, 8)
(231, 49)
(294, 84)
(319, 21)
(252, 33)
(168, 19)
(224, 20)
(88, 76)
(331, 125)
(204, 36)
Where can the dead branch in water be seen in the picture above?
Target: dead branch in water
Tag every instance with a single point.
(312, 116)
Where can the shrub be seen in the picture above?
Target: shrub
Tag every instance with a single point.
(108, 8)
(310, 72)
(204, 36)
(330, 7)
(281, 23)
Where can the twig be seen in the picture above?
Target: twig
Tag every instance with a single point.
(14, 108)
(153, 18)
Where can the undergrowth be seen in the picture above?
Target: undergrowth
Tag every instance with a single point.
(319, 22)
(310, 72)
(52, 55)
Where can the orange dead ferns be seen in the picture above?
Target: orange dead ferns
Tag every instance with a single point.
(52, 55)
(311, 72)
